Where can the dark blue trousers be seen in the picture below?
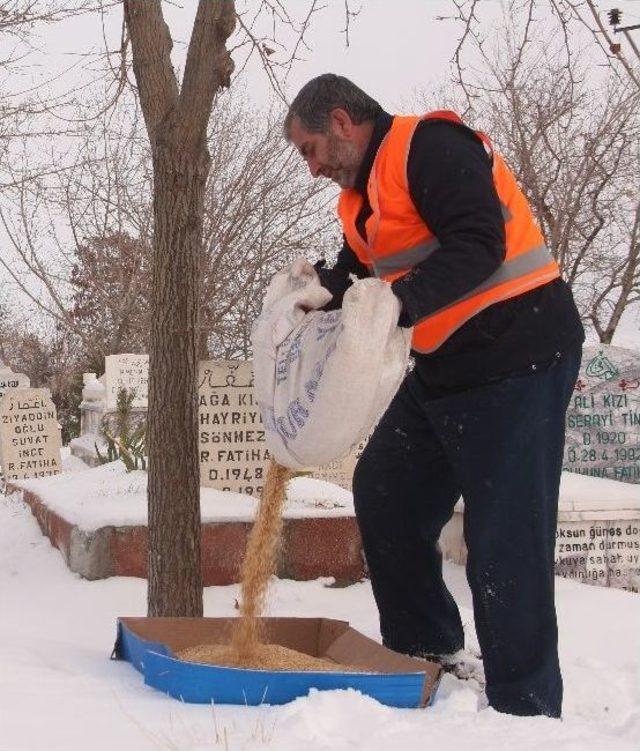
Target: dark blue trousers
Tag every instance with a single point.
(499, 446)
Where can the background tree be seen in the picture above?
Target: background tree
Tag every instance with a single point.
(23, 115)
(576, 22)
(260, 211)
(176, 117)
(110, 303)
(574, 148)
(572, 139)
(50, 361)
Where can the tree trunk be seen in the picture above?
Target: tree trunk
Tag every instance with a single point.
(176, 123)
(175, 580)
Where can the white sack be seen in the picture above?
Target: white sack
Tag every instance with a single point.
(322, 380)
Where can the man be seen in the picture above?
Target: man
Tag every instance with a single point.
(427, 205)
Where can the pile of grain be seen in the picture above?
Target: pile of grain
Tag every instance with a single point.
(265, 657)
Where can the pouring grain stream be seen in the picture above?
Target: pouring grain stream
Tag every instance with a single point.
(260, 563)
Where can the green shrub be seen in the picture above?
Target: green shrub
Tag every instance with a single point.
(124, 443)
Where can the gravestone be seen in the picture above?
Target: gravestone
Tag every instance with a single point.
(92, 405)
(92, 415)
(604, 552)
(29, 434)
(233, 452)
(603, 419)
(11, 380)
(340, 471)
(126, 371)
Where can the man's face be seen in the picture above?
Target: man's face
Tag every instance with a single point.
(334, 154)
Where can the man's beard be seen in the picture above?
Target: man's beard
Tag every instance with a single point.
(343, 160)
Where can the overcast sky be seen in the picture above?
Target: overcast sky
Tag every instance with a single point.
(395, 47)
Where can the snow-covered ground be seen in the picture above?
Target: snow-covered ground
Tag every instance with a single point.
(60, 691)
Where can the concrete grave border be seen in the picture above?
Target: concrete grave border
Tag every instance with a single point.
(122, 550)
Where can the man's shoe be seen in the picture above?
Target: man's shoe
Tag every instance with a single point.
(465, 664)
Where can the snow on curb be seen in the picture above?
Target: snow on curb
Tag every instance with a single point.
(109, 496)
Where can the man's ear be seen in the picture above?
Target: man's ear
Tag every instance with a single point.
(340, 122)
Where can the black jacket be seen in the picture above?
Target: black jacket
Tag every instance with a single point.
(451, 184)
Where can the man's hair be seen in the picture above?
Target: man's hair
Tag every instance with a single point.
(315, 100)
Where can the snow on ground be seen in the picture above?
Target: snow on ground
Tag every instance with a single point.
(60, 692)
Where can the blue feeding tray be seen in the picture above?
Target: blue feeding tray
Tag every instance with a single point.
(151, 644)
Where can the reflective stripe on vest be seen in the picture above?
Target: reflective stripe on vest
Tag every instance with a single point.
(403, 260)
(525, 263)
(430, 332)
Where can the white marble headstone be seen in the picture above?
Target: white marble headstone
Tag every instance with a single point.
(29, 434)
(130, 372)
(233, 452)
(603, 419)
(340, 471)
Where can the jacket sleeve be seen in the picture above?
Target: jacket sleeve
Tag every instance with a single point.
(336, 279)
(451, 184)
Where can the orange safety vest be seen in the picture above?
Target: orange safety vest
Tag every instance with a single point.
(397, 238)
